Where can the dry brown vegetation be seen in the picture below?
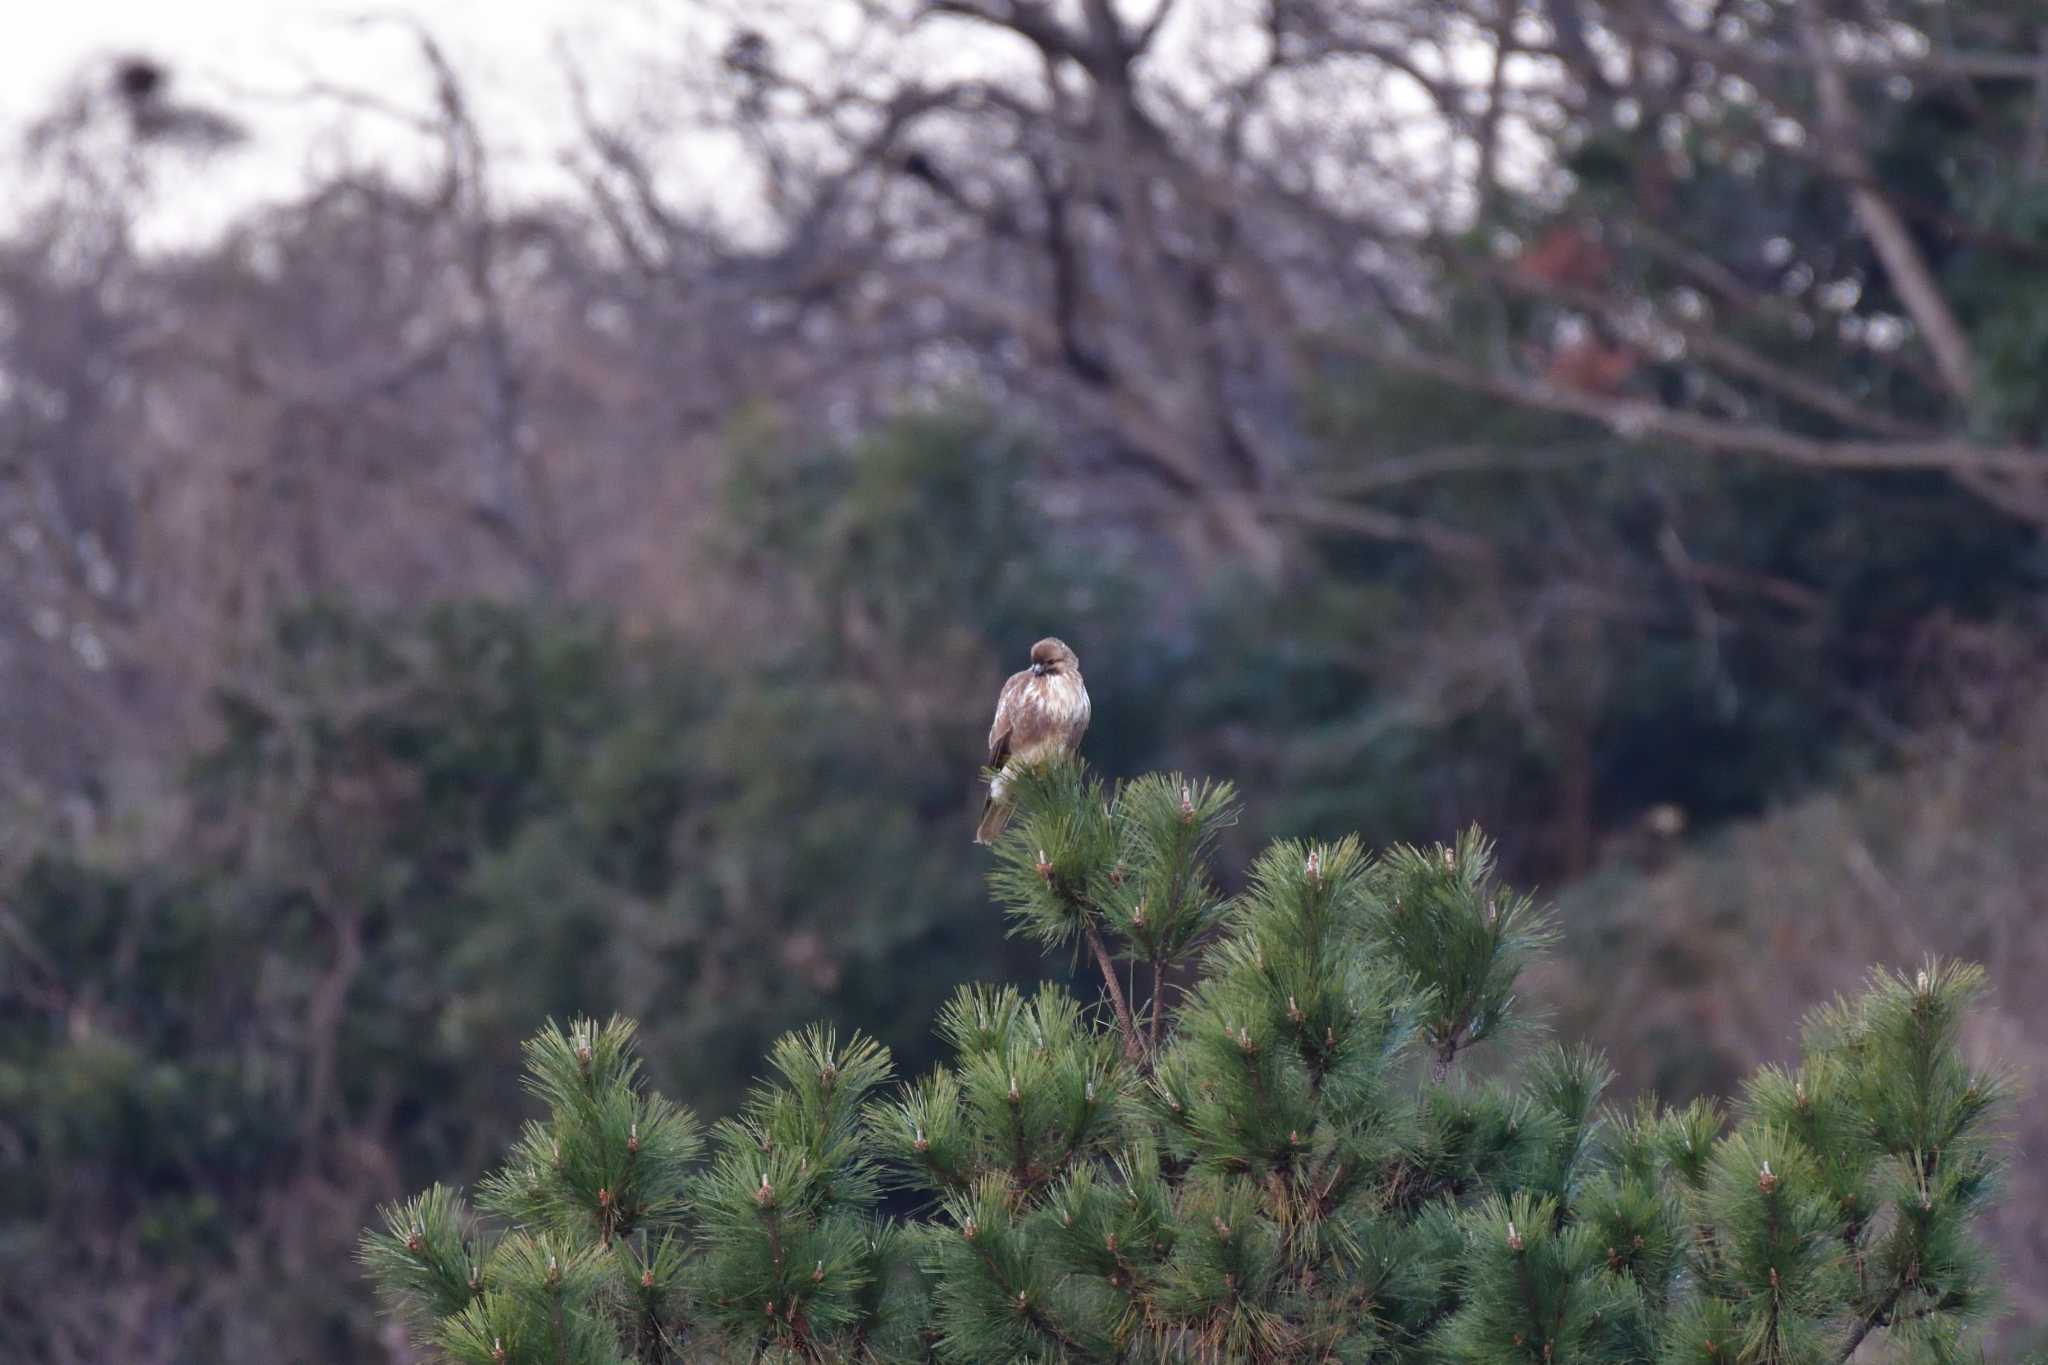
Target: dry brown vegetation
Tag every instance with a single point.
(1691, 973)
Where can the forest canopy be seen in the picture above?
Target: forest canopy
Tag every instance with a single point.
(434, 604)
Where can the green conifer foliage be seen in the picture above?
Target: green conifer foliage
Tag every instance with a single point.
(1282, 1162)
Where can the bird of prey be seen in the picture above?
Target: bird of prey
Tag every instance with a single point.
(1041, 714)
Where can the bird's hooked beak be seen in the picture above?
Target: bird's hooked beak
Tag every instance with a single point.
(1037, 669)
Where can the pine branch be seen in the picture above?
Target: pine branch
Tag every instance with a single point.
(1158, 990)
(1446, 1054)
(1263, 1190)
(1134, 1043)
(1876, 1317)
(1032, 1313)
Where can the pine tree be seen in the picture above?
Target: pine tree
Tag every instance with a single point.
(1264, 1147)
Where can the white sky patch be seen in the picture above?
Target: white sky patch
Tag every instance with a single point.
(266, 62)
(263, 62)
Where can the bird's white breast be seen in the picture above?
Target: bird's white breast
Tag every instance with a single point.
(1055, 711)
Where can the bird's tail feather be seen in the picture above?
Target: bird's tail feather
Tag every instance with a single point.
(994, 815)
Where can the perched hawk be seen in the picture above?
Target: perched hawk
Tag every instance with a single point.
(1041, 714)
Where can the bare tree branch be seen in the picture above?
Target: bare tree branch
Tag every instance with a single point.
(1764, 54)
(1637, 418)
(1372, 524)
(1881, 222)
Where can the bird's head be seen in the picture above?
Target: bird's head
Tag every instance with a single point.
(1053, 656)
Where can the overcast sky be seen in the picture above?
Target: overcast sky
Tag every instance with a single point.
(255, 58)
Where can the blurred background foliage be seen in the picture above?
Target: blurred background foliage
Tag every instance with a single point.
(423, 613)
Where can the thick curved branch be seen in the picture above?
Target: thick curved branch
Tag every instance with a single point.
(1638, 419)
(1887, 231)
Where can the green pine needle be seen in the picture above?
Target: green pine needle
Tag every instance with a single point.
(1267, 1178)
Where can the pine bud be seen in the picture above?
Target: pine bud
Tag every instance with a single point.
(498, 1351)
(768, 1309)
(1222, 1229)
(1138, 916)
(818, 1275)
(828, 1075)
(1088, 1092)
(766, 1194)
(1514, 1238)
(647, 1279)
(1799, 1093)
(583, 1056)
(1245, 1044)
(604, 1197)
(970, 1229)
(1294, 1137)
(1023, 1304)
(416, 1239)
(1294, 1014)
(1044, 866)
(920, 1143)
(1314, 870)
(1187, 804)
(1450, 861)
(1766, 1182)
(476, 1279)
(1117, 875)
(633, 1141)
(554, 1280)
(1016, 1095)
(1109, 1243)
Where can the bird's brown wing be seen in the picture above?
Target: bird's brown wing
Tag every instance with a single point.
(1005, 724)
